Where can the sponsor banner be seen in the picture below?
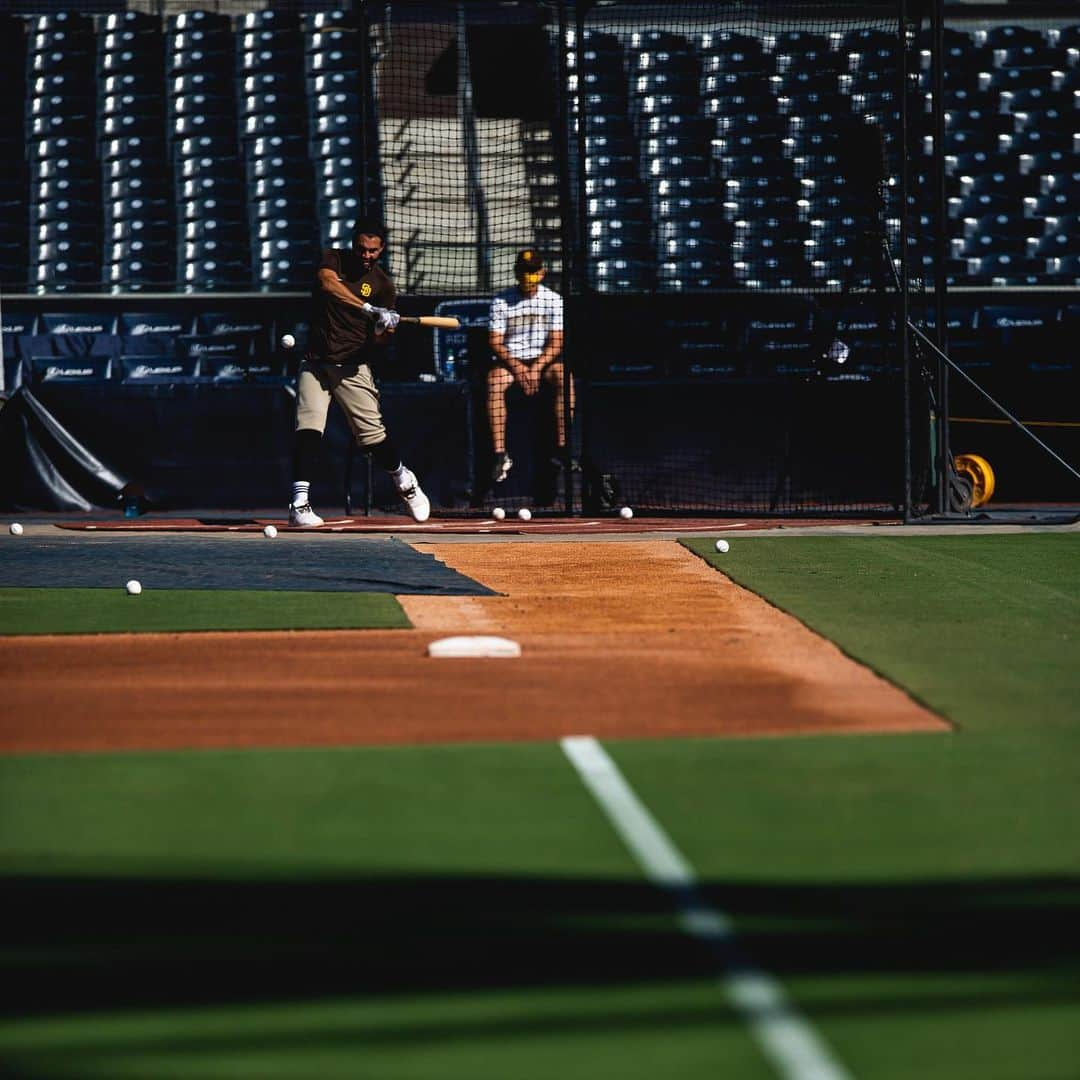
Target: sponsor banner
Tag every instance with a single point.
(143, 324)
(228, 369)
(227, 325)
(235, 346)
(91, 323)
(159, 369)
(72, 368)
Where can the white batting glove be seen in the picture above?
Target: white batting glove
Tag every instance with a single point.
(385, 320)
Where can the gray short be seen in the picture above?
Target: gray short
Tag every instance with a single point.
(352, 386)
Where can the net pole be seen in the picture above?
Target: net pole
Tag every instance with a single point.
(944, 448)
(573, 166)
(566, 239)
(902, 328)
(360, 11)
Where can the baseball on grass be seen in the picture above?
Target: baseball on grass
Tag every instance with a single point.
(626, 512)
(15, 529)
(525, 514)
(270, 532)
(287, 341)
(722, 545)
(498, 513)
(133, 588)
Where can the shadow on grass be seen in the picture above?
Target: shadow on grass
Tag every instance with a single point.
(73, 944)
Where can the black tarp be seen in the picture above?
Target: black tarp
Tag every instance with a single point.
(211, 446)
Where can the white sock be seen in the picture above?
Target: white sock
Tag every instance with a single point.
(300, 490)
(398, 474)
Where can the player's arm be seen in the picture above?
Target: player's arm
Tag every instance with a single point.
(552, 349)
(526, 375)
(330, 283)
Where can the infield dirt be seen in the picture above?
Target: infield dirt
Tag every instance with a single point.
(619, 640)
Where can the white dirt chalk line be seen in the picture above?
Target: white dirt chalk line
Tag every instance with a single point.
(788, 1041)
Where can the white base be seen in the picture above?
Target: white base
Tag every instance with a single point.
(474, 645)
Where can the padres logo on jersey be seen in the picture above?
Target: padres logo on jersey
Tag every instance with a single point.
(365, 290)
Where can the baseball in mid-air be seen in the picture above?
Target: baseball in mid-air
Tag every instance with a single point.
(626, 512)
(722, 546)
(270, 532)
(15, 529)
(498, 513)
(287, 341)
(525, 514)
(133, 588)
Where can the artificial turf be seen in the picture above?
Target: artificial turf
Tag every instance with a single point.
(111, 611)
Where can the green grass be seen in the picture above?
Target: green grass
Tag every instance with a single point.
(112, 611)
(983, 629)
(466, 911)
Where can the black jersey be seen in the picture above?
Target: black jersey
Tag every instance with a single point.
(339, 331)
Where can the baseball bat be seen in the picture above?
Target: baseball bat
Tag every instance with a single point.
(442, 322)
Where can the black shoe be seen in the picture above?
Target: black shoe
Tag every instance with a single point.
(501, 469)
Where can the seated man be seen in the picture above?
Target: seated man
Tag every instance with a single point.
(526, 336)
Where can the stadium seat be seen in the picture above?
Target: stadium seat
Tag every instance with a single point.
(1055, 245)
(619, 275)
(1009, 37)
(1006, 270)
(1064, 271)
(151, 333)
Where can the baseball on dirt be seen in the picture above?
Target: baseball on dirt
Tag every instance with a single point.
(270, 532)
(133, 588)
(626, 512)
(722, 546)
(498, 513)
(525, 514)
(287, 341)
(15, 529)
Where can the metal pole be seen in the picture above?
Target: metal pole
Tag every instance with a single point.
(366, 110)
(940, 255)
(902, 329)
(563, 131)
(472, 152)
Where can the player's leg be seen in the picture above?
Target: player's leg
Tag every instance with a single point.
(499, 382)
(358, 396)
(313, 391)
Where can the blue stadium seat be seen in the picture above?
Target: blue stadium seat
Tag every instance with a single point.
(1006, 270)
(678, 83)
(295, 232)
(1009, 37)
(997, 224)
(1038, 141)
(135, 274)
(609, 82)
(151, 333)
(294, 188)
(1065, 271)
(332, 125)
(688, 274)
(619, 275)
(329, 60)
(654, 39)
(1057, 245)
(1014, 80)
(279, 58)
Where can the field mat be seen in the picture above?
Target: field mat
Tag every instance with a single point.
(352, 564)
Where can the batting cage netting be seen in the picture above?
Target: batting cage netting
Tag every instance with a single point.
(714, 191)
(682, 238)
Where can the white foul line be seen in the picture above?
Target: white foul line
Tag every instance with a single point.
(788, 1041)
